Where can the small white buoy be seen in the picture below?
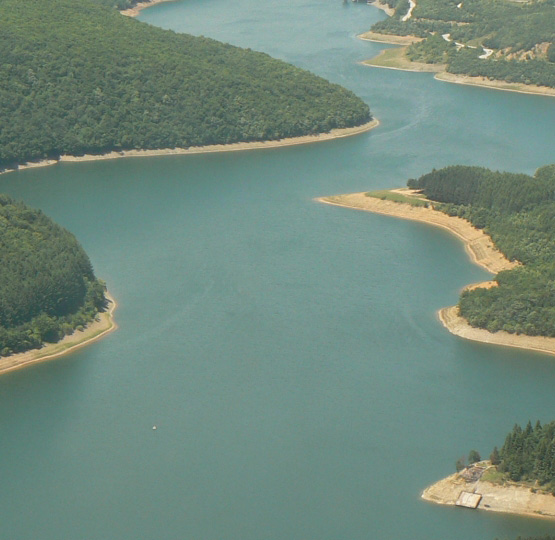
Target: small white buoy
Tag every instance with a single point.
(153, 427)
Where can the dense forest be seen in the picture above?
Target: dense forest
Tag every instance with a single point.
(78, 77)
(518, 212)
(519, 37)
(47, 284)
(529, 455)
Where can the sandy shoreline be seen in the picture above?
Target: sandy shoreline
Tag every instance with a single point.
(451, 319)
(234, 147)
(495, 84)
(94, 331)
(136, 9)
(478, 246)
(512, 498)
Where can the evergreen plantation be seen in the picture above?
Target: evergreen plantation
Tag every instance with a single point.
(47, 285)
(518, 212)
(78, 77)
(529, 455)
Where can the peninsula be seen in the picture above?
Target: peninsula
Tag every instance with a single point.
(512, 309)
(517, 479)
(50, 300)
(501, 45)
(80, 80)
(470, 489)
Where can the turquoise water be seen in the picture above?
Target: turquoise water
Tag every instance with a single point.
(288, 352)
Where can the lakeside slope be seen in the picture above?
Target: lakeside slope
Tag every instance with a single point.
(478, 246)
(102, 326)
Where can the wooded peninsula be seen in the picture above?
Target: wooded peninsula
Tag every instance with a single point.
(519, 478)
(487, 40)
(517, 212)
(47, 285)
(79, 78)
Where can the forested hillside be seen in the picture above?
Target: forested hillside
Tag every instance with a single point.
(47, 284)
(529, 455)
(78, 77)
(518, 212)
(498, 39)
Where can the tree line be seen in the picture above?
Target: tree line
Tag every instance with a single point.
(529, 455)
(78, 77)
(518, 212)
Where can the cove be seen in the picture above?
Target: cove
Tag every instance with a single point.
(288, 352)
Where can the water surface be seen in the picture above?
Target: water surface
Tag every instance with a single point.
(288, 352)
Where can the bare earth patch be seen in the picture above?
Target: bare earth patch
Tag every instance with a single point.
(509, 498)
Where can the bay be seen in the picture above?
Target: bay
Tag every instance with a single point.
(288, 352)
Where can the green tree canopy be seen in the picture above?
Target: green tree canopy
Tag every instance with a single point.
(78, 77)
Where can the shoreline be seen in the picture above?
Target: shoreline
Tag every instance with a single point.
(69, 344)
(137, 8)
(495, 84)
(513, 499)
(457, 325)
(337, 133)
(478, 246)
(404, 64)
(384, 7)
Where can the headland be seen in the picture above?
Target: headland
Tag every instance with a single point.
(470, 488)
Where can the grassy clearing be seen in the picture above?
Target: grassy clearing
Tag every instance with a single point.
(386, 195)
(396, 59)
(493, 476)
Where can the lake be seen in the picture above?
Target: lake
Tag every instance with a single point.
(288, 352)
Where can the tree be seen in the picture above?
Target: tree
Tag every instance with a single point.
(474, 457)
(494, 456)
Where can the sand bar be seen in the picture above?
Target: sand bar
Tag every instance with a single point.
(234, 147)
(478, 246)
(509, 498)
(95, 330)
